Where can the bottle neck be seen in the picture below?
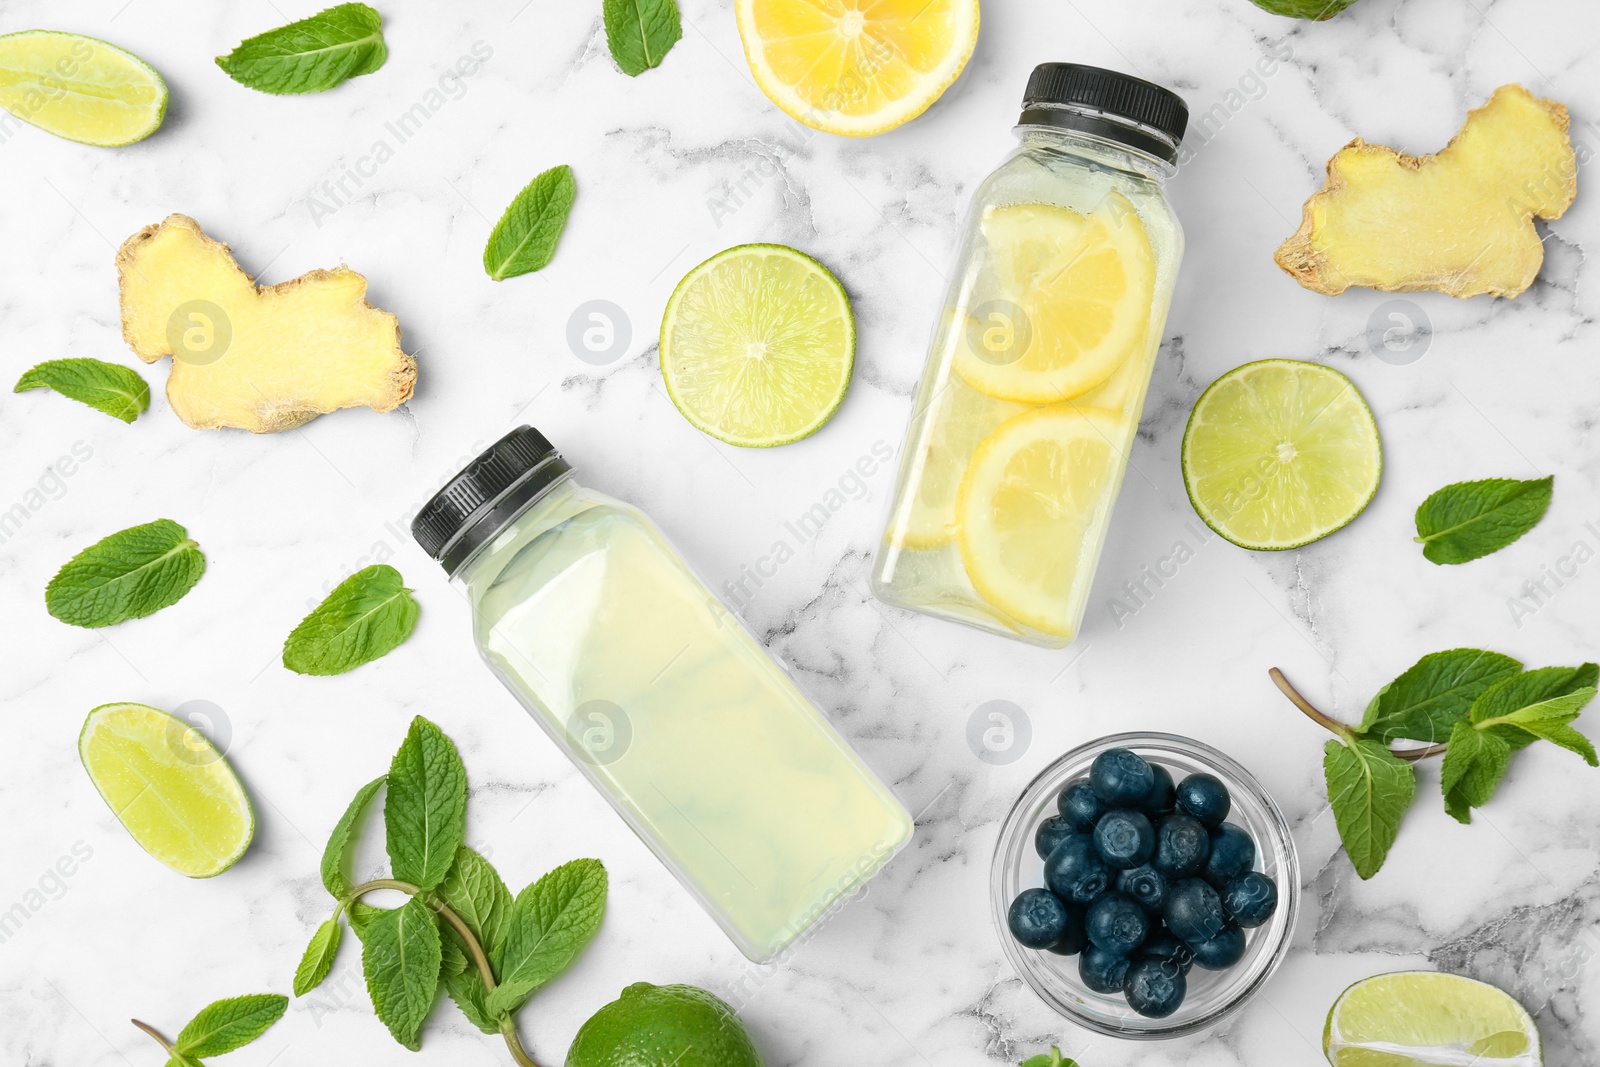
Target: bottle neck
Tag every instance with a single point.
(1098, 147)
(532, 488)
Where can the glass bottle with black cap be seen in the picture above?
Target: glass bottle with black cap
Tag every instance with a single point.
(1040, 359)
(660, 695)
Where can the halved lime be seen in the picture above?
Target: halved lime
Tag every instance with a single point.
(1425, 1019)
(757, 345)
(80, 88)
(1279, 453)
(170, 788)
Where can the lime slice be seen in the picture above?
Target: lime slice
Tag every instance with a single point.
(1417, 1018)
(80, 88)
(168, 786)
(757, 345)
(1280, 453)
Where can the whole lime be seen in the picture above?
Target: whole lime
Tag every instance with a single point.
(663, 1026)
(1305, 9)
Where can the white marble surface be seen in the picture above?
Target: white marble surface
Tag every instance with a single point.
(912, 973)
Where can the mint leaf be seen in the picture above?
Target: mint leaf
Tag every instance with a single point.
(1434, 694)
(1540, 704)
(525, 238)
(551, 922)
(128, 575)
(363, 915)
(367, 616)
(1051, 1059)
(425, 815)
(1531, 689)
(1469, 520)
(229, 1024)
(311, 55)
(108, 387)
(641, 32)
(474, 891)
(464, 985)
(1473, 766)
(333, 854)
(1370, 789)
(318, 958)
(400, 958)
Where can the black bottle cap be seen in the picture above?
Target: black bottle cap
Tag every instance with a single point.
(1117, 107)
(493, 489)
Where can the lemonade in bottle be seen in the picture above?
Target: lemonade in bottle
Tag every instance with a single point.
(1041, 356)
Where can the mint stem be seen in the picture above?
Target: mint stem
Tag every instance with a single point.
(1341, 730)
(154, 1033)
(508, 1024)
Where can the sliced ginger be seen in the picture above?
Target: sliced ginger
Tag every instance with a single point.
(259, 359)
(1460, 221)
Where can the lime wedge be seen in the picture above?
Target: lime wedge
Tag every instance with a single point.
(757, 345)
(1280, 453)
(168, 786)
(1423, 1019)
(80, 88)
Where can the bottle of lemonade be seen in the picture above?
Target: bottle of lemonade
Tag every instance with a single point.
(1028, 406)
(659, 695)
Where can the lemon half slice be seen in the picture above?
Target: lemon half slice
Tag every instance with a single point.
(80, 88)
(1426, 1019)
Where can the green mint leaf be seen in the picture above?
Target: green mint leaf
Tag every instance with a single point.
(474, 891)
(551, 922)
(108, 387)
(366, 617)
(335, 853)
(363, 915)
(1469, 520)
(1530, 689)
(128, 575)
(1370, 789)
(464, 985)
(229, 1024)
(311, 55)
(1473, 766)
(1567, 738)
(184, 1061)
(400, 957)
(1434, 694)
(525, 238)
(1053, 1058)
(641, 32)
(318, 958)
(425, 814)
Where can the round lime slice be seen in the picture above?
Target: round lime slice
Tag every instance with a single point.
(80, 88)
(757, 345)
(1426, 1019)
(1280, 453)
(168, 786)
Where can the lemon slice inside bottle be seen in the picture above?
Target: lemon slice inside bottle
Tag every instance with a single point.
(1063, 300)
(1426, 1019)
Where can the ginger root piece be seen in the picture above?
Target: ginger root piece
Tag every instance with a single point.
(1460, 221)
(259, 359)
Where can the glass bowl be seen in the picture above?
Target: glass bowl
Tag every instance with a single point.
(1212, 995)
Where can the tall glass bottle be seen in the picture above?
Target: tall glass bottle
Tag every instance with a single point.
(1040, 359)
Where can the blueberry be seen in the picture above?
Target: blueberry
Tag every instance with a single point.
(1163, 795)
(1222, 951)
(1233, 852)
(1120, 778)
(1102, 971)
(1155, 987)
(1073, 937)
(1125, 839)
(1164, 945)
(1079, 806)
(1251, 898)
(1075, 872)
(1146, 885)
(1037, 918)
(1194, 911)
(1116, 924)
(1182, 846)
(1051, 833)
(1204, 797)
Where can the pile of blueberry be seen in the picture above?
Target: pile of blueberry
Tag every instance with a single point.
(1145, 879)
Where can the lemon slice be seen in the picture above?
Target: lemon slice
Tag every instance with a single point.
(168, 786)
(1064, 300)
(80, 88)
(1279, 453)
(1424, 1019)
(757, 345)
(1026, 504)
(856, 67)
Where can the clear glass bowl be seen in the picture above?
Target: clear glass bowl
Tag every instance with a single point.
(1213, 995)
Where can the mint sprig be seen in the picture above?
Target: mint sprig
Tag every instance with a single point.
(310, 55)
(107, 387)
(1053, 1058)
(221, 1026)
(1484, 708)
(366, 617)
(640, 33)
(525, 238)
(127, 575)
(461, 929)
(1469, 520)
